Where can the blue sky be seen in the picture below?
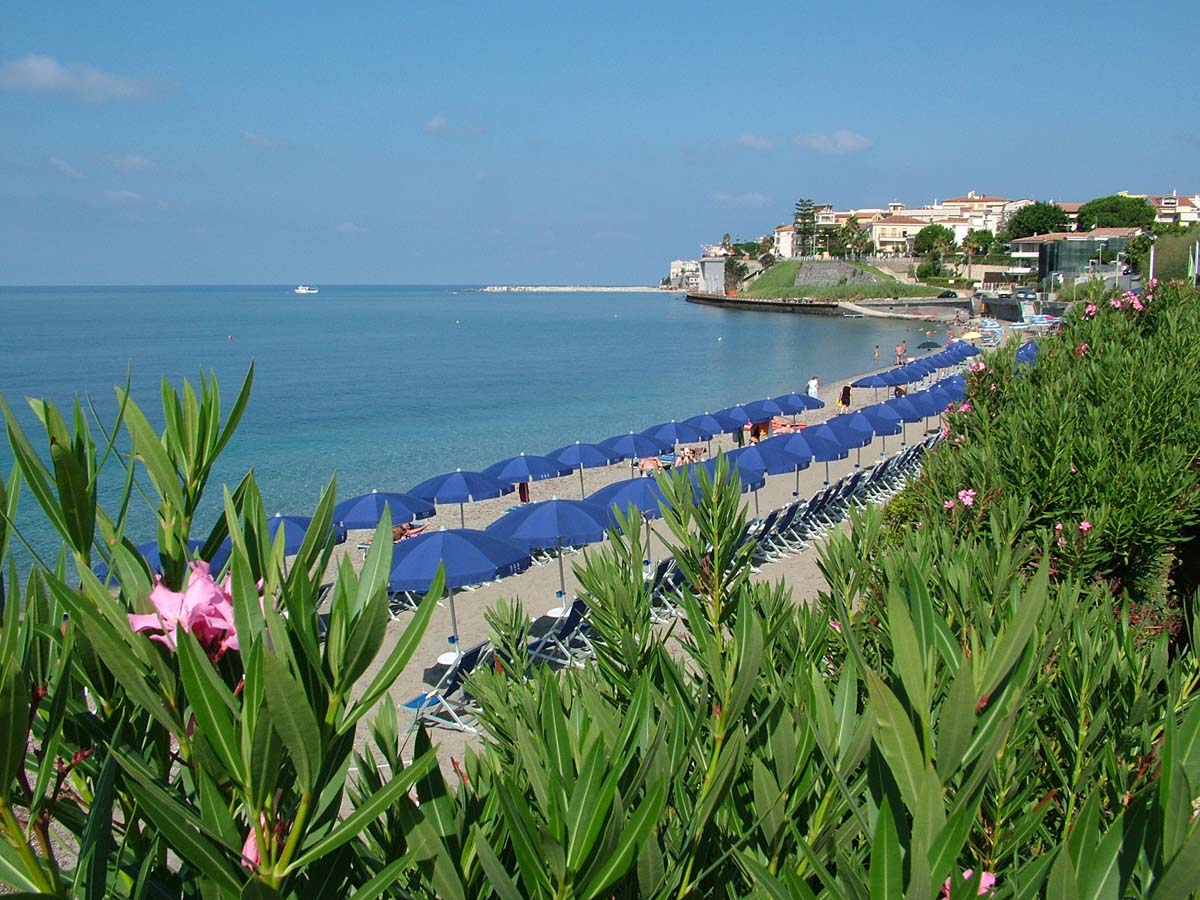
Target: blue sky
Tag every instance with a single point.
(460, 143)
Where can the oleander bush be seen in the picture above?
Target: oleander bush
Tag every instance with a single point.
(968, 708)
(1100, 436)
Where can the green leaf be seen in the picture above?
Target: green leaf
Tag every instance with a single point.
(365, 813)
(148, 447)
(400, 656)
(14, 720)
(212, 703)
(12, 869)
(521, 833)
(385, 879)
(1061, 884)
(499, 879)
(897, 741)
(591, 802)
(1181, 877)
(97, 840)
(956, 720)
(256, 890)
(887, 875)
(636, 831)
(762, 879)
(294, 720)
(184, 831)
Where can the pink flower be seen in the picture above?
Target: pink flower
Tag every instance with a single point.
(964, 407)
(835, 625)
(987, 881)
(945, 432)
(1153, 283)
(1058, 527)
(1137, 304)
(949, 504)
(1073, 469)
(977, 366)
(1082, 349)
(1115, 302)
(1085, 526)
(967, 497)
(1091, 310)
(250, 855)
(204, 608)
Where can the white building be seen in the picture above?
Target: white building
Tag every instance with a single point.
(685, 274)
(785, 242)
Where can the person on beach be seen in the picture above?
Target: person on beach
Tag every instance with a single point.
(813, 387)
(844, 400)
(877, 354)
(900, 354)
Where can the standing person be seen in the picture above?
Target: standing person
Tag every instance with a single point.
(813, 388)
(844, 400)
(900, 354)
(876, 355)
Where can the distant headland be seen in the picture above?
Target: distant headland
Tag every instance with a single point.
(568, 288)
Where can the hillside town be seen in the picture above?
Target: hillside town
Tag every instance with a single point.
(995, 242)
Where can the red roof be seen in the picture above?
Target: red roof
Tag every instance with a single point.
(1079, 235)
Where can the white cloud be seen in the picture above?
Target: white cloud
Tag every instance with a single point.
(438, 124)
(755, 142)
(350, 228)
(750, 200)
(132, 162)
(836, 142)
(253, 137)
(61, 165)
(123, 198)
(34, 73)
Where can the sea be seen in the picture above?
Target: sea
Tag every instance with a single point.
(381, 387)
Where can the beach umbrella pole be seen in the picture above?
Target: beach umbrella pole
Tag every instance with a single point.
(562, 578)
(826, 481)
(756, 502)
(796, 492)
(454, 625)
(903, 434)
(462, 518)
(581, 482)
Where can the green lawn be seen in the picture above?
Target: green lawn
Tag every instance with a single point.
(777, 282)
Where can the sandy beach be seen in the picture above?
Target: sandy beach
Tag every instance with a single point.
(536, 588)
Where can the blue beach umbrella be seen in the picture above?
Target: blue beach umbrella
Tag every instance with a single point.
(751, 477)
(764, 410)
(884, 420)
(737, 413)
(676, 433)
(553, 523)
(636, 446)
(294, 528)
(149, 552)
(467, 555)
(796, 445)
(461, 487)
(584, 456)
(712, 424)
(826, 444)
(855, 430)
(876, 380)
(365, 510)
(1027, 354)
(907, 411)
(644, 494)
(771, 457)
(525, 468)
(795, 403)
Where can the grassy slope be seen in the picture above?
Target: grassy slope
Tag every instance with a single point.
(777, 281)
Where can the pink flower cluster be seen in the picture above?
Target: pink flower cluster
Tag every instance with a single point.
(987, 881)
(1132, 300)
(1082, 349)
(204, 608)
(966, 497)
(1090, 310)
(965, 407)
(977, 366)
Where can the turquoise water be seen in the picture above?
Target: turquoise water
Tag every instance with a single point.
(386, 386)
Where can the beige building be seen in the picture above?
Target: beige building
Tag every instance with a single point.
(894, 235)
(785, 242)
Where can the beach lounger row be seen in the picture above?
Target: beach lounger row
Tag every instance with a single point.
(792, 529)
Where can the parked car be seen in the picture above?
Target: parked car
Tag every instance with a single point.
(1025, 295)
(948, 295)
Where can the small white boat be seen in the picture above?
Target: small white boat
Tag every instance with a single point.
(305, 289)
